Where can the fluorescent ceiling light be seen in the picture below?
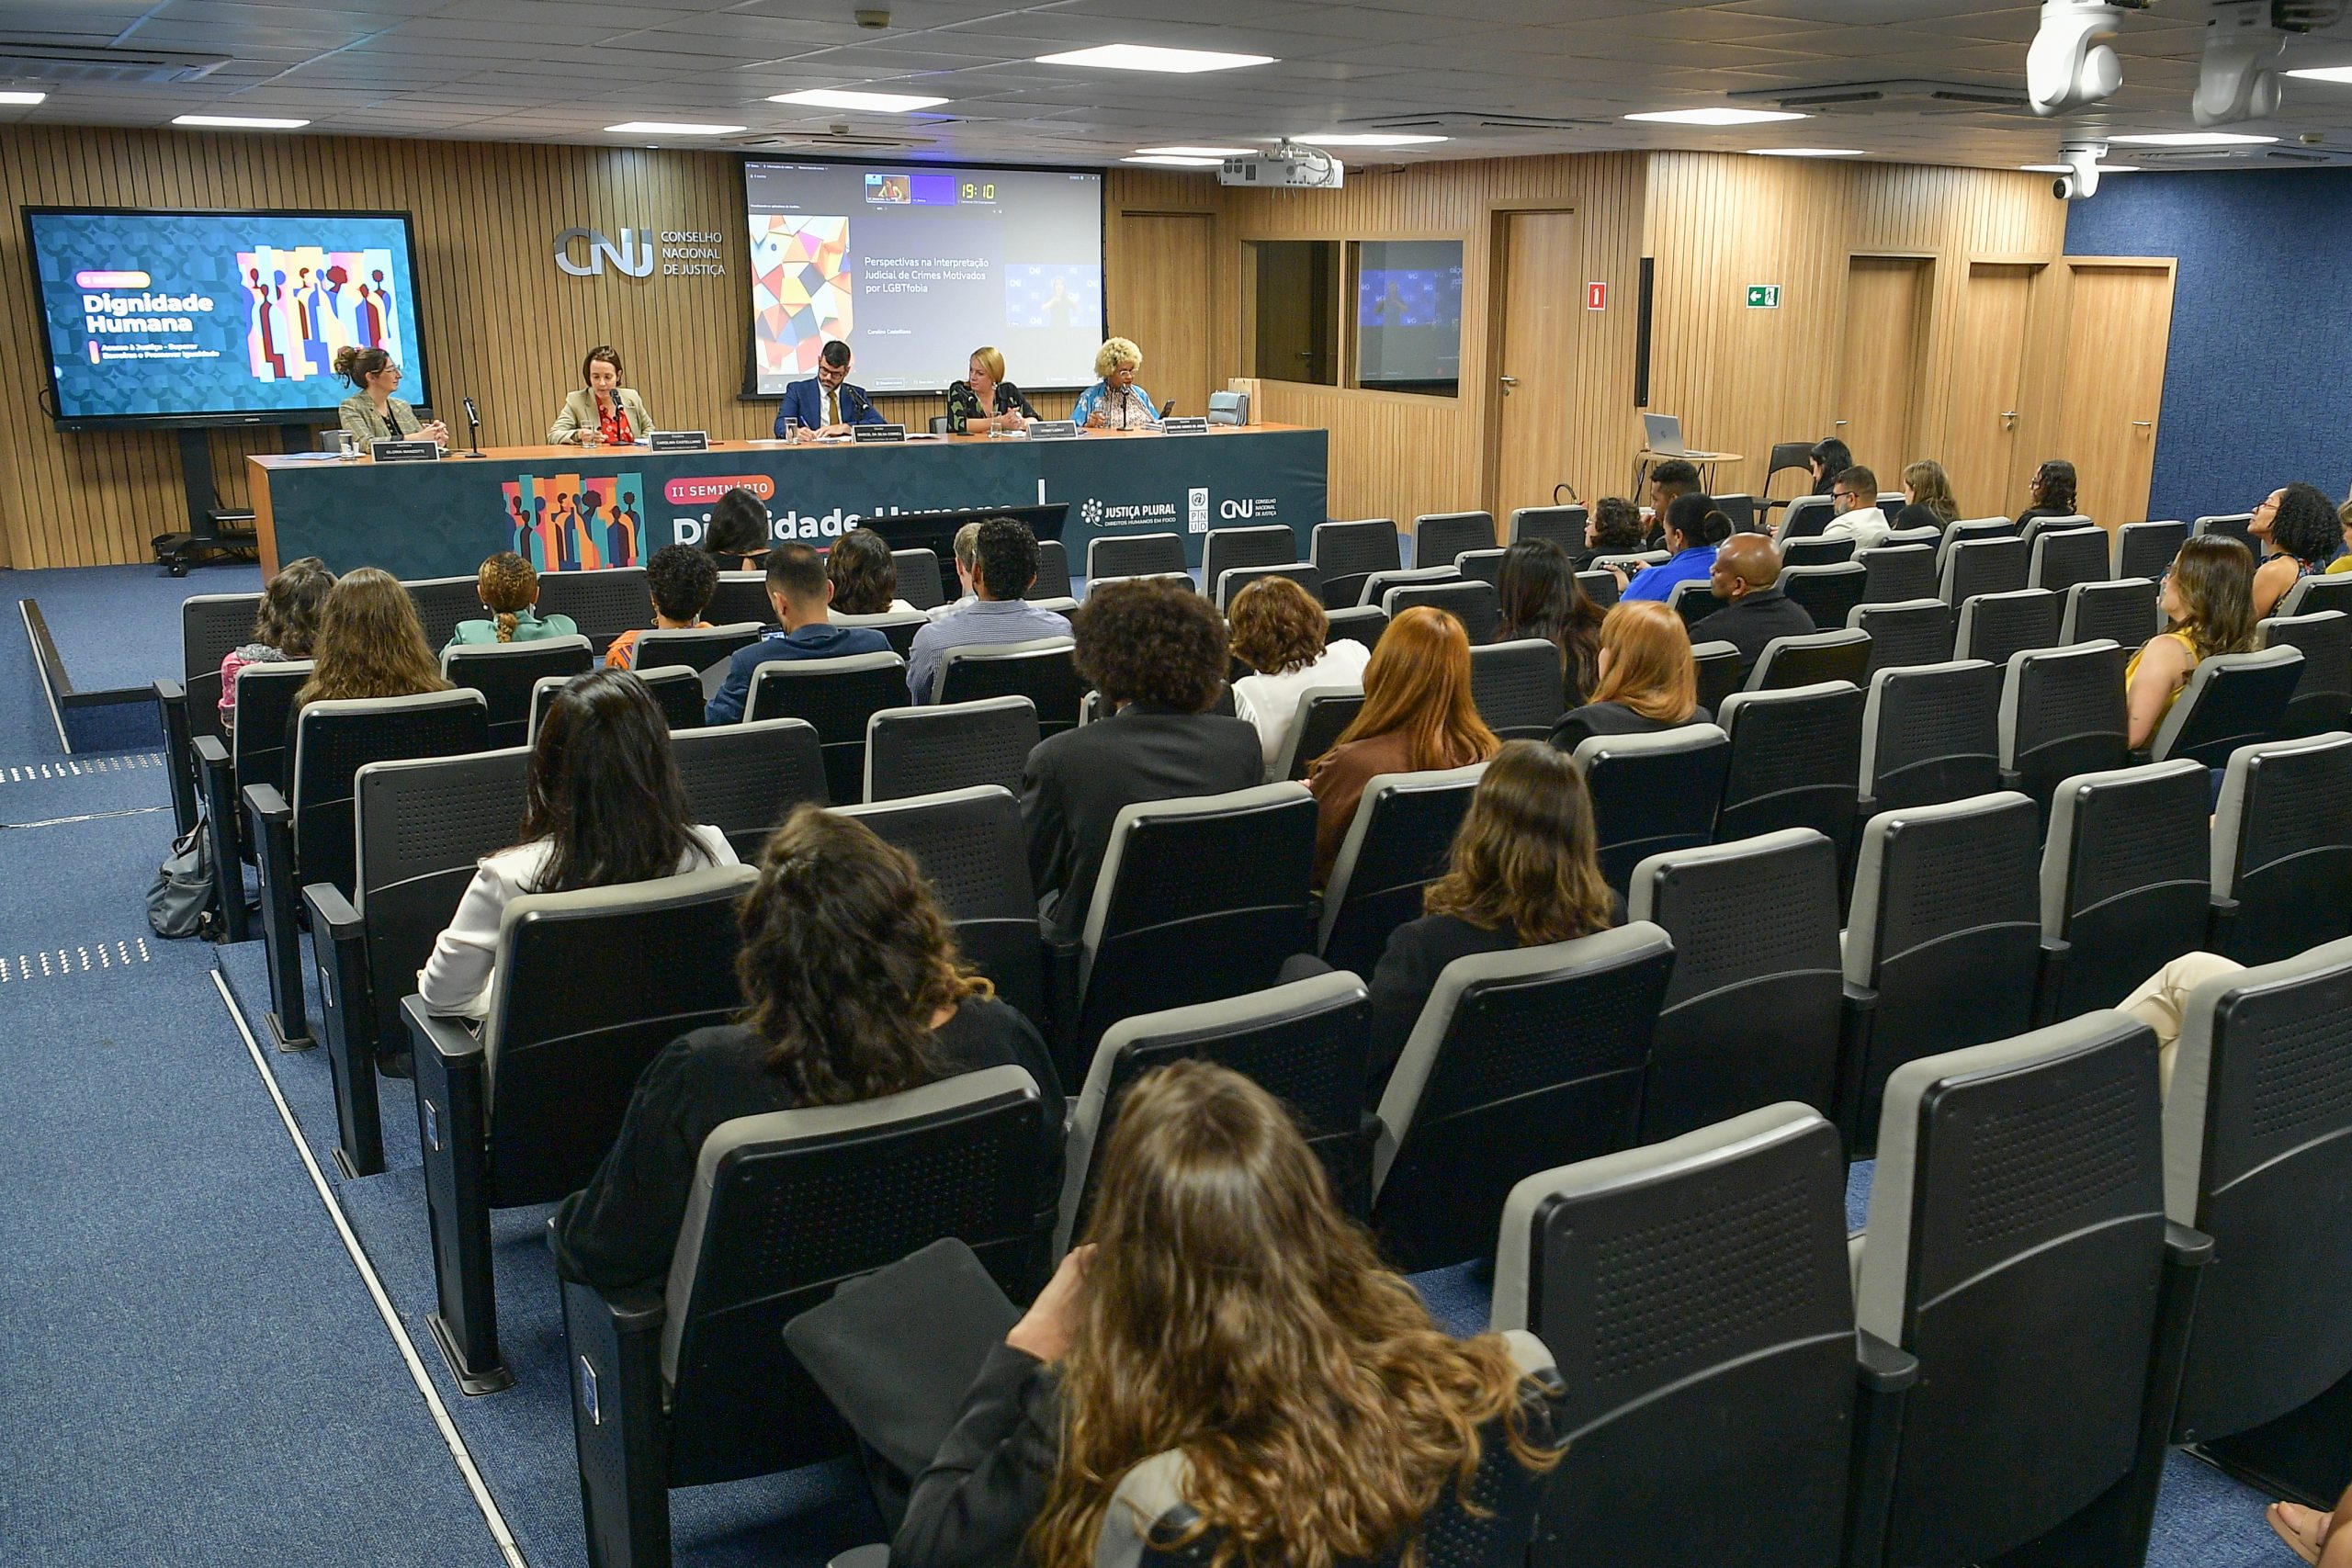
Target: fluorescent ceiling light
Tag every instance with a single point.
(1150, 57)
(238, 122)
(1372, 139)
(1808, 152)
(1172, 161)
(22, 97)
(849, 98)
(2069, 168)
(670, 127)
(1196, 152)
(2324, 73)
(2193, 139)
(1716, 115)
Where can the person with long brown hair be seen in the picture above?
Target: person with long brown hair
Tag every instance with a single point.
(1283, 634)
(2208, 601)
(864, 576)
(1541, 598)
(1223, 1308)
(1647, 680)
(369, 643)
(1928, 500)
(285, 627)
(509, 588)
(852, 988)
(1416, 716)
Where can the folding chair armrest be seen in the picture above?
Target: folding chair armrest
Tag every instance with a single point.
(216, 783)
(272, 833)
(449, 1065)
(1881, 1368)
(346, 1027)
(614, 1342)
(1884, 1376)
(2222, 924)
(171, 706)
(330, 913)
(1856, 1023)
(267, 806)
(2185, 1248)
(1063, 998)
(2049, 980)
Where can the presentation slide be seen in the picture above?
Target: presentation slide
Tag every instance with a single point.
(916, 267)
(1409, 313)
(231, 315)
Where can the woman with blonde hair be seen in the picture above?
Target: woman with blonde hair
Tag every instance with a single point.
(1928, 499)
(1646, 679)
(1114, 401)
(1222, 1308)
(2208, 601)
(1281, 633)
(509, 587)
(1416, 716)
(984, 400)
(369, 643)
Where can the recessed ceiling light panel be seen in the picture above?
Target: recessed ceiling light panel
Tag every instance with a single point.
(1372, 139)
(2324, 73)
(238, 122)
(2193, 139)
(15, 97)
(1176, 160)
(852, 98)
(1716, 115)
(1150, 57)
(1196, 152)
(1808, 152)
(670, 127)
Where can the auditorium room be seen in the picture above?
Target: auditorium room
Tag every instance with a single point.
(1269, 784)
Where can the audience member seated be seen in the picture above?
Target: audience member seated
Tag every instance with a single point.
(1747, 578)
(737, 537)
(2313, 1532)
(509, 588)
(967, 557)
(1928, 501)
(865, 576)
(1155, 651)
(2162, 999)
(1541, 598)
(1223, 1306)
(1829, 458)
(852, 989)
(1647, 680)
(1669, 482)
(2343, 561)
(2051, 494)
(2300, 535)
(682, 580)
(1281, 633)
(1522, 872)
(2208, 598)
(602, 804)
(285, 625)
(800, 591)
(1694, 528)
(1004, 566)
(1615, 528)
(369, 645)
(1417, 715)
(1854, 500)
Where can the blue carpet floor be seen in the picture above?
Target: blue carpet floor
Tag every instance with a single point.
(211, 1381)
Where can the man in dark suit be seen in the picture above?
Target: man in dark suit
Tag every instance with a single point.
(827, 405)
(1156, 652)
(1747, 577)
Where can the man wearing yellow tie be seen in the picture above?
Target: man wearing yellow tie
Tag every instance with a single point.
(827, 405)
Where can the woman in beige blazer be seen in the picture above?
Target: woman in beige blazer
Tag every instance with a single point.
(602, 412)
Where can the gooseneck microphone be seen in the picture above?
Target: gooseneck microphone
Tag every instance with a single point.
(474, 423)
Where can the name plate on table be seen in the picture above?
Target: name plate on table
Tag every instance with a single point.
(1189, 425)
(862, 434)
(1053, 430)
(404, 451)
(679, 440)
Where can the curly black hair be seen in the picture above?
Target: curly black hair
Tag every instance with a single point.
(682, 578)
(1150, 641)
(1006, 554)
(2305, 525)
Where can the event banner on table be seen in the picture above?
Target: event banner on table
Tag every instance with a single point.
(583, 510)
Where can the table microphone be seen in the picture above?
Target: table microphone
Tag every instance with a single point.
(473, 421)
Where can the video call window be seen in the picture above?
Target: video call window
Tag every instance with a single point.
(1408, 316)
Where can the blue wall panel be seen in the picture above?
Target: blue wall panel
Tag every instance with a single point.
(2257, 382)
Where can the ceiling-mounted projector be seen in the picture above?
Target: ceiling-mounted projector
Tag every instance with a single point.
(1288, 167)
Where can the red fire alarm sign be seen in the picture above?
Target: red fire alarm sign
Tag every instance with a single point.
(1596, 297)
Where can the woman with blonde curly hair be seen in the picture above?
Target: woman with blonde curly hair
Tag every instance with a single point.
(369, 643)
(1222, 1309)
(1114, 401)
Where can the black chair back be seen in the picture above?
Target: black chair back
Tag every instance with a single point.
(920, 582)
(838, 696)
(1135, 555)
(2282, 848)
(2323, 693)
(1348, 553)
(257, 746)
(1600, 587)
(898, 627)
(1897, 574)
(2061, 714)
(210, 625)
(2146, 549)
(2235, 526)
(1975, 566)
(1357, 623)
(1806, 516)
(742, 597)
(1517, 687)
(1053, 570)
(603, 603)
(2064, 556)
(2231, 700)
(1931, 732)
(1396, 846)
(1563, 525)
(1795, 755)
(2316, 592)
(1439, 536)
(924, 751)
(1044, 670)
(1481, 566)
(1821, 549)
(1232, 580)
(1911, 631)
(1828, 593)
(442, 601)
(698, 648)
(1324, 711)
(1740, 507)
(2122, 612)
(1695, 602)
(1653, 793)
(2125, 880)
(974, 851)
(1842, 654)
(1994, 626)
(1472, 603)
(334, 740)
(1718, 670)
(505, 673)
(745, 779)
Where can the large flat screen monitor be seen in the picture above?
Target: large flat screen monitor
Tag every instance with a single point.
(916, 266)
(157, 318)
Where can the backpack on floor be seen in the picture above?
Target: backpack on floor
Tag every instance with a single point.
(180, 901)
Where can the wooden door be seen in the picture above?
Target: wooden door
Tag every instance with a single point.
(1878, 377)
(1991, 424)
(1165, 268)
(1533, 361)
(2119, 325)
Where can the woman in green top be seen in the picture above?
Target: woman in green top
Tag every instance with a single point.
(509, 588)
(372, 413)
(985, 401)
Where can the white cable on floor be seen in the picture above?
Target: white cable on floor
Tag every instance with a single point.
(457, 1451)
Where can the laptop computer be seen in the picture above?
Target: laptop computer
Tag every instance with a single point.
(1662, 433)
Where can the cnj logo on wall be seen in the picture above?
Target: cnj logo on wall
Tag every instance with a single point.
(634, 256)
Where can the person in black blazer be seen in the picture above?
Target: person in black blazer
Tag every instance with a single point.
(1747, 578)
(1156, 651)
(1647, 680)
(986, 400)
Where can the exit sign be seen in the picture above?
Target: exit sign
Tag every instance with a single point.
(1763, 296)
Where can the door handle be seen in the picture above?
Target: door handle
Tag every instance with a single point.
(1508, 381)
(1840, 423)
(2144, 424)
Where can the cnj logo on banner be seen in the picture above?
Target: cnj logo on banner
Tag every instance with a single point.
(634, 256)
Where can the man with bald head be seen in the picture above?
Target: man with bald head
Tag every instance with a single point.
(1746, 578)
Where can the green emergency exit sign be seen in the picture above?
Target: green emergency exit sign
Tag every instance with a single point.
(1763, 296)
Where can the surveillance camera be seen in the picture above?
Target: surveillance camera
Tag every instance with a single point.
(2080, 182)
(2236, 80)
(2070, 65)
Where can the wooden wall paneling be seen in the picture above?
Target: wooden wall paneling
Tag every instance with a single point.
(1993, 400)
(2119, 323)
